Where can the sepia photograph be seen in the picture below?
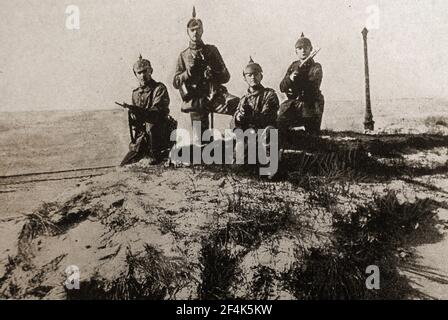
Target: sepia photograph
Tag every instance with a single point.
(210, 150)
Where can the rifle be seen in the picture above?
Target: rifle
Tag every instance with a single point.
(290, 94)
(131, 119)
(137, 111)
(141, 114)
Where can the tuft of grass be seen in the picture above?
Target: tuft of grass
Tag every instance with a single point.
(385, 221)
(372, 235)
(38, 224)
(436, 121)
(344, 164)
(219, 269)
(325, 274)
(263, 283)
(260, 217)
(150, 276)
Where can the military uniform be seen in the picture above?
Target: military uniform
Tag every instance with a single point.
(258, 108)
(154, 100)
(189, 78)
(305, 103)
(149, 122)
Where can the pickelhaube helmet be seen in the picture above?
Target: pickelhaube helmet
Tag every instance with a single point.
(304, 42)
(194, 22)
(141, 64)
(252, 67)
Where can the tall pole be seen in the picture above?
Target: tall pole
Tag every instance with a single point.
(211, 96)
(368, 116)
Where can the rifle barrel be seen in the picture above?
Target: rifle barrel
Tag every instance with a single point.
(312, 55)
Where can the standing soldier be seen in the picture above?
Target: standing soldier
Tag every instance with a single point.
(301, 84)
(200, 71)
(149, 121)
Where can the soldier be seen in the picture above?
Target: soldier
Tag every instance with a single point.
(258, 107)
(301, 84)
(199, 72)
(256, 110)
(149, 121)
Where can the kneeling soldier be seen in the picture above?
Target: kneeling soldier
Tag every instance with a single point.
(149, 121)
(301, 84)
(257, 109)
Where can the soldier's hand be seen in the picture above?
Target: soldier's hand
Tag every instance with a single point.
(208, 73)
(293, 76)
(194, 70)
(239, 116)
(133, 116)
(125, 106)
(190, 69)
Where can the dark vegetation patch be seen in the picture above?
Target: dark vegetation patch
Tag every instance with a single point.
(150, 276)
(436, 121)
(373, 235)
(345, 156)
(259, 219)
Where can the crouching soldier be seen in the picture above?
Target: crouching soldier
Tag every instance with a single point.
(301, 84)
(149, 122)
(257, 108)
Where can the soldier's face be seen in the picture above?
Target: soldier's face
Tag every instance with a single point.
(253, 79)
(195, 33)
(143, 76)
(303, 52)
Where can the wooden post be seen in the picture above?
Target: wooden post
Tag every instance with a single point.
(212, 121)
(368, 116)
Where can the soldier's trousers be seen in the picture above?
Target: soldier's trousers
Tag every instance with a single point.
(148, 143)
(242, 148)
(293, 113)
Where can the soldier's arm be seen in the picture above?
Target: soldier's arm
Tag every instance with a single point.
(220, 72)
(316, 75)
(286, 84)
(268, 114)
(181, 75)
(160, 101)
(239, 113)
(133, 101)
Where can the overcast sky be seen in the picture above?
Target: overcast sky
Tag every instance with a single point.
(43, 65)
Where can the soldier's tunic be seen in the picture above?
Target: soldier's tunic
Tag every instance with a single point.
(153, 99)
(199, 56)
(259, 109)
(305, 103)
